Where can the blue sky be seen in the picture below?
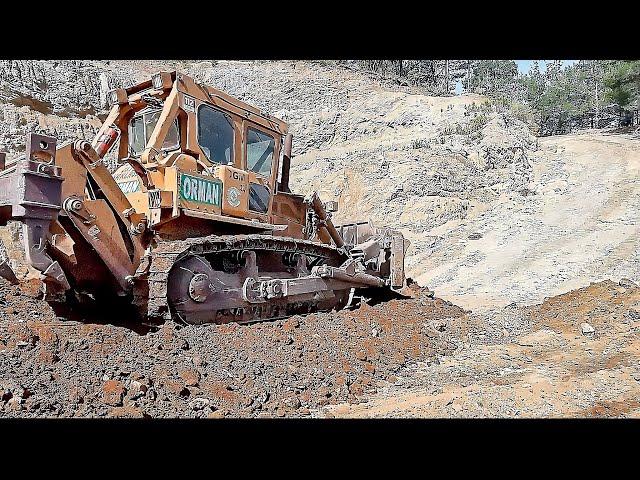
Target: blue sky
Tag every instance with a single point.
(524, 65)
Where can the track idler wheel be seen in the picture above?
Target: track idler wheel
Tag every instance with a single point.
(189, 287)
(200, 287)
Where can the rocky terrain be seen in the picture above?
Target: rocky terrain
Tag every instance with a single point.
(575, 355)
(508, 229)
(51, 366)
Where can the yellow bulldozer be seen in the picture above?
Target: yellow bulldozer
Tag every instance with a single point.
(197, 223)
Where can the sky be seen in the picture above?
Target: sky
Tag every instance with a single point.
(524, 65)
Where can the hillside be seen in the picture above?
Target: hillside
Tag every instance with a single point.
(580, 226)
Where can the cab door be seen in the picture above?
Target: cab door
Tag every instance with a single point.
(261, 153)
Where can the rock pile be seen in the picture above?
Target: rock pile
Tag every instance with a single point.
(55, 367)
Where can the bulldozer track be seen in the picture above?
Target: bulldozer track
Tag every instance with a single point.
(150, 293)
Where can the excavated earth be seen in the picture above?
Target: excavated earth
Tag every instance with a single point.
(574, 355)
(417, 356)
(52, 366)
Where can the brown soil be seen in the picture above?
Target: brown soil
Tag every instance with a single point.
(290, 367)
(418, 356)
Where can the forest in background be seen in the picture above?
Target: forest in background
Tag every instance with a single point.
(558, 100)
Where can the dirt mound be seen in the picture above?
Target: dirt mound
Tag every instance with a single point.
(574, 355)
(56, 367)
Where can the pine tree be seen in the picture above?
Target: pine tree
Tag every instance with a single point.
(623, 84)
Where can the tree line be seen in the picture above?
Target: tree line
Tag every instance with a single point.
(556, 100)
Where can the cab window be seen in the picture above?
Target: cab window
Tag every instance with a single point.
(141, 127)
(215, 135)
(259, 152)
(258, 198)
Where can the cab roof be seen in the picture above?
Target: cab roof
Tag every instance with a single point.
(205, 93)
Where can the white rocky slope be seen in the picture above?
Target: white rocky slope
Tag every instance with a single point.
(406, 166)
(581, 226)
(409, 160)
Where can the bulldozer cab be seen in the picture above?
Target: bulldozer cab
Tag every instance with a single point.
(215, 154)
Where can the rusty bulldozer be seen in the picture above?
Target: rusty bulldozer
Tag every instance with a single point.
(197, 223)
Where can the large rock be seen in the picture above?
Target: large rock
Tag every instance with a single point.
(113, 391)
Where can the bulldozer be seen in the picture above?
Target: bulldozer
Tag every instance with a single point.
(196, 222)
